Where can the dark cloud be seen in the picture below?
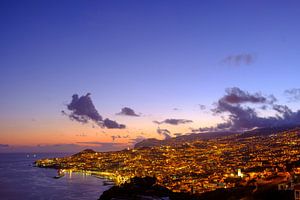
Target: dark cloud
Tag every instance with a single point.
(4, 145)
(174, 121)
(164, 132)
(82, 110)
(236, 96)
(239, 59)
(241, 117)
(284, 111)
(293, 94)
(128, 112)
(264, 107)
(218, 127)
(112, 124)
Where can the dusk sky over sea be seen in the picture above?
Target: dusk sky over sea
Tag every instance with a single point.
(143, 69)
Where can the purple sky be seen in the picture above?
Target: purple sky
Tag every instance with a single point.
(159, 58)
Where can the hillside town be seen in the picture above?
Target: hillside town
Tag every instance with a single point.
(199, 166)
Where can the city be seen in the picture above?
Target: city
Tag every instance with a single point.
(198, 166)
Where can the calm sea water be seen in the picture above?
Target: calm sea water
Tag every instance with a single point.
(20, 180)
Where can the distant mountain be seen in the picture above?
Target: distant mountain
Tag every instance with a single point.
(181, 139)
(211, 135)
(85, 152)
(268, 131)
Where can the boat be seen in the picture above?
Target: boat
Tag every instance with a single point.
(60, 173)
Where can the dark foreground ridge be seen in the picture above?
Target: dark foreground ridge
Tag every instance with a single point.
(142, 188)
(147, 189)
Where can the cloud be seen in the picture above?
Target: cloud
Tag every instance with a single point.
(264, 107)
(81, 135)
(164, 132)
(202, 107)
(4, 145)
(242, 117)
(112, 124)
(128, 112)
(293, 94)
(239, 59)
(218, 127)
(236, 96)
(82, 110)
(114, 137)
(173, 121)
(284, 110)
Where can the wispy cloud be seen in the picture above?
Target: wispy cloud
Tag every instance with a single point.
(173, 121)
(293, 94)
(114, 137)
(81, 135)
(239, 59)
(164, 132)
(137, 139)
(202, 107)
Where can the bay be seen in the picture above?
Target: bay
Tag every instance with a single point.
(19, 179)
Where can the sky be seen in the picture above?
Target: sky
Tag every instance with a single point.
(165, 60)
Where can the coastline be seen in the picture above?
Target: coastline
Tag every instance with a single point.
(108, 178)
(20, 178)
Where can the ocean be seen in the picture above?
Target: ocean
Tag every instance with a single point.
(19, 179)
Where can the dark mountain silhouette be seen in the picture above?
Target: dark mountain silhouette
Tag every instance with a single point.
(211, 135)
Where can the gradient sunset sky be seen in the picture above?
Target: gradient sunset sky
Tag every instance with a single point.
(165, 59)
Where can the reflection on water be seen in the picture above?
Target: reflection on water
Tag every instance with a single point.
(20, 180)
